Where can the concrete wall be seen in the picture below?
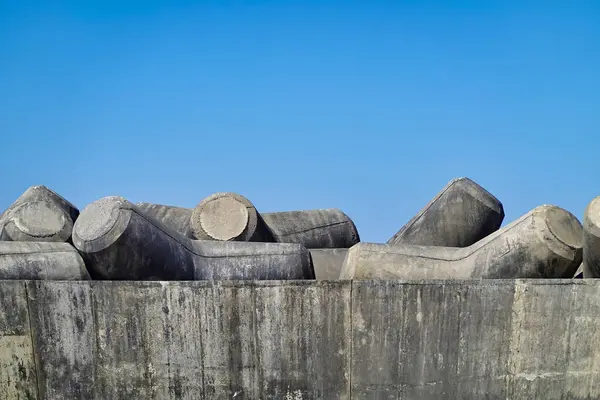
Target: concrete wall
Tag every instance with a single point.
(300, 340)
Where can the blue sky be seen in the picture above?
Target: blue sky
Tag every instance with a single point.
(371, 107)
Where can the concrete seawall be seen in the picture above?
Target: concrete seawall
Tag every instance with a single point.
(512, 339)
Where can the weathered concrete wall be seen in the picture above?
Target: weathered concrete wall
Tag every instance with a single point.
(300, 340)
(192, 340)
(17, 367)
(473, 340)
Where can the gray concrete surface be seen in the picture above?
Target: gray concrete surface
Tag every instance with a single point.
(544, 243)
(461, 214)
(228, 216)
(192, 340)
(176, 218)
(475, 340)
(444, 339)
(41, 260)
(119, 241)
(314, 229)
(17, 365)
(64, 339)
(591, 239)
(38, 215)
(328, 262)
(231, 216)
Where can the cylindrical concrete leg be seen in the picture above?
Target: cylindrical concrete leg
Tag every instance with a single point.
(41, 261)
(261, 261)
(228, 216)
(176, 218)
(591, 239)
(38, 215)
(461, 214)
(118, 241)
(314, 229)
(547, 242)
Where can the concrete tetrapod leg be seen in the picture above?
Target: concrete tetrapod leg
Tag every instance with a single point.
(38, 215)
(461, 214)
(119, 241)
(41, 261)
(591, 240)
(544, 243)
(230, 216)
(176, 218)
(315, 229)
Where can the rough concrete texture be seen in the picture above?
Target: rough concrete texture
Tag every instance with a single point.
(459, 216)
(591, 239)
(411, 340)
(64, 339)
(118, 241)
(176, 218)
(314, 229)
(231, 216)
(544, 243)
(38, 215)
(328, 262)
(17, 365)
(228, 216)
(41, 260)
(470, 340)
(193, 340)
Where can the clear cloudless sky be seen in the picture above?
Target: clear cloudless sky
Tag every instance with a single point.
(368, 106)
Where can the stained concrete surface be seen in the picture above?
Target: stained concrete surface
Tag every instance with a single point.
(64, 339)
(41, 260)
(176, 218)
(231, 216)
(461, 214)
(157, 340)
(517, 339)
(119, 241)
(38, 215)
(473, 340)
(17, 366)
(544, 243)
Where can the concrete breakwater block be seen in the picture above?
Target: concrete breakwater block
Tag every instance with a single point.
(119, 241)
(326, 228)
(544, 243)
(461, 214)
(38, 215)
(230, 216)
(175, 218)
(41, 261)
(591, 239)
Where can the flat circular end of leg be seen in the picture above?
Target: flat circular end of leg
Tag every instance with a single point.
(564, 226)
(224, 216)
(99, 220)
(39, 221)
(591, 219)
